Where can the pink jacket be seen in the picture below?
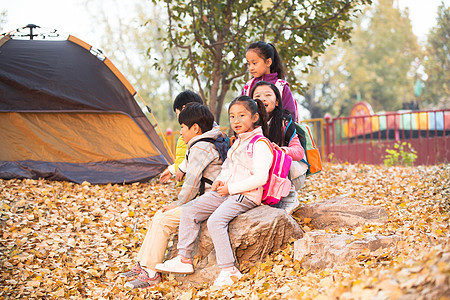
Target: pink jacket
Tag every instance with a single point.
(246, 173)
(294, 149)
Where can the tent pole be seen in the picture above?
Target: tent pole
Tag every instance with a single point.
(157, 125)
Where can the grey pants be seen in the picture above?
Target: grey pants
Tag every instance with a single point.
(220, 210)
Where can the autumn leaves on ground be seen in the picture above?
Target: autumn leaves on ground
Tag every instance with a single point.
(69, 241)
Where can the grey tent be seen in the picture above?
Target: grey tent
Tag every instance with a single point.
(67, 113)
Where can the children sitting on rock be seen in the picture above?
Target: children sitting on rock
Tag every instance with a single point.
(202, 165)
(237, 189)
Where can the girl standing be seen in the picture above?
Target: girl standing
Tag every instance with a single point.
(237, 189)
(264, 63)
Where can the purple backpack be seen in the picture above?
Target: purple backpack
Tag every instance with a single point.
(277, 185)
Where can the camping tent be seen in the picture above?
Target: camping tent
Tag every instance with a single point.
(67, 113)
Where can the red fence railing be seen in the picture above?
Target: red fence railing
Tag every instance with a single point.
(364, 139)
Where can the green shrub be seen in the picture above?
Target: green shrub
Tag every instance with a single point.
(402, 154)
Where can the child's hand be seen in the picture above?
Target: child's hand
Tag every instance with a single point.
(165, 176)
(223, 190)
(216, 185)
(275, 146)
(179, 175)
(169, 207)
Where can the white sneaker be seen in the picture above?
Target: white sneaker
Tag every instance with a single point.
(227, 278)
(175, 265)
(290, 202)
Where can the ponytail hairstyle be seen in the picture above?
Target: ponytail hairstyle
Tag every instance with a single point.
(266, 51)
(253, 106)
(276, 117)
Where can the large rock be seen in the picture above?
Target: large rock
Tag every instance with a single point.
(342, 211)
(253, 235)
(319, 249)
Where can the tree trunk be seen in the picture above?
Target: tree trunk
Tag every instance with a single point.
(225, 87)
(214, 104)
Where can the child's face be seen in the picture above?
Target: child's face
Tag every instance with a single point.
(241, 119)
(267, 96)
(188, 133)
(257, 65)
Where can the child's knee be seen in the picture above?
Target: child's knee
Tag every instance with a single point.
(162, 219)
(214, 222)
(189, 210)
(158, 215)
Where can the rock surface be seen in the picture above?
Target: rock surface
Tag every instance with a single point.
(264, 229)
(342, 211)
(319, 249)
(253, 236)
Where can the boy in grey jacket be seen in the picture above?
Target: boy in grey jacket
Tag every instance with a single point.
(201, 166)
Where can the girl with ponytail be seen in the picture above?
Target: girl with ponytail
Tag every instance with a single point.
(264, 63)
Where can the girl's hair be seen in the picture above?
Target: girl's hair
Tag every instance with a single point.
(266, 51)
(277, 116)
(253, 106)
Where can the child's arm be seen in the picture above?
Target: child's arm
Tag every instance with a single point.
(165, 176)
(180, 154)
(225, 174)
(262, 161)
(199, 158)
(181, 170)
(295, 149)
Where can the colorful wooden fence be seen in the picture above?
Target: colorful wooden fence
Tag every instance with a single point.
(364, 139)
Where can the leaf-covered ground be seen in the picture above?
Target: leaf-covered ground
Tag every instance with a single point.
(69, 241)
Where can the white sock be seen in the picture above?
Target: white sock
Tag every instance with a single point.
(151, 273)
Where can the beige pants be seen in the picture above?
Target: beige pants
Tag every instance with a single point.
(159, 231)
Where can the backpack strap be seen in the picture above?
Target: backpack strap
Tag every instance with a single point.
(220, 143)
(209, 140)
(280, 83)
(289, 131)
(203, 182)
(248, 86)
(254, 140)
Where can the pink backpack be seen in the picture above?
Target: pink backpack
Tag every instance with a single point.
(277, 185)
(280, 83)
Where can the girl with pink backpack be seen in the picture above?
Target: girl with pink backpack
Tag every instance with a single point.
(237, 189)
